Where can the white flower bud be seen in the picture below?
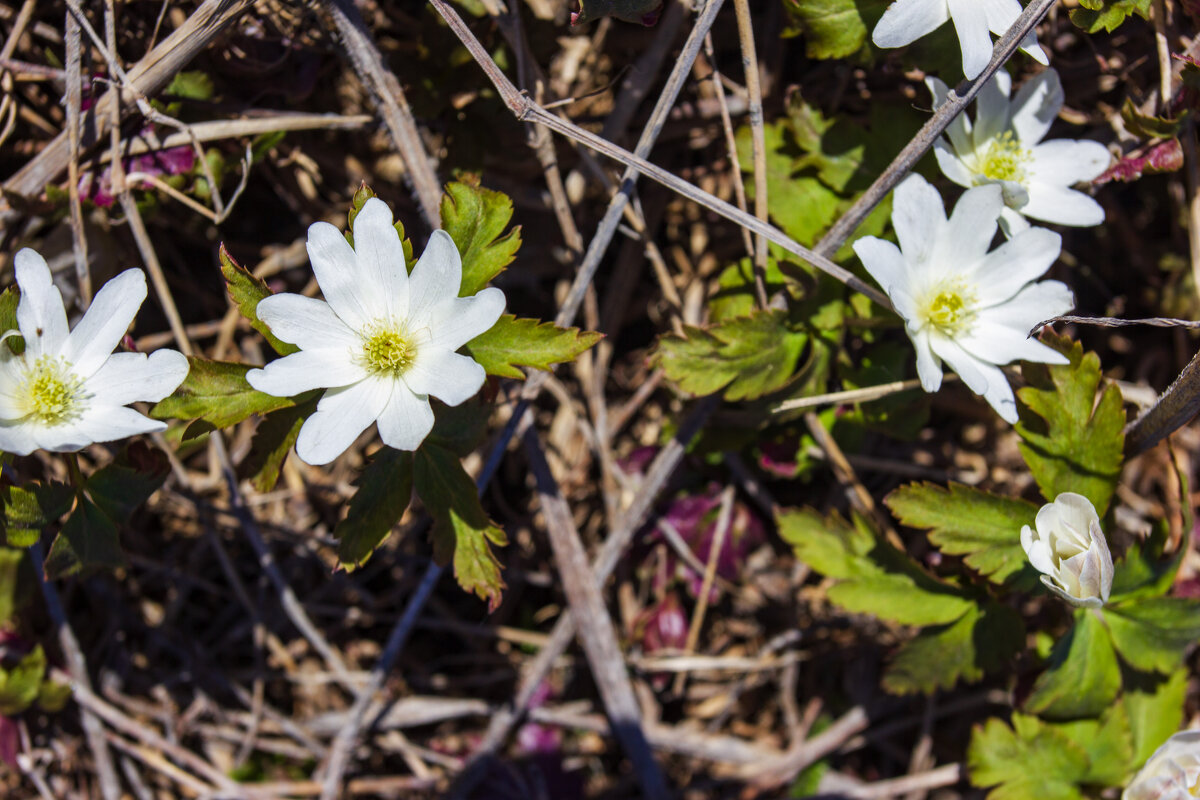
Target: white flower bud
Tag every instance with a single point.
(1172, 773)
(1069, 549)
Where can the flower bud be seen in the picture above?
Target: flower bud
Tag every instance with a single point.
(1172, 773)
(1069, 549)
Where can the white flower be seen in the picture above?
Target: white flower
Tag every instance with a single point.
(68, 389)
(1002, 146)
(905, 21)
(1069, 549)
(1172, 773)
(383, 341)
(961, 304)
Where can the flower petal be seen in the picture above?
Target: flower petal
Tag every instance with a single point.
(17, 437)
(918, 217)
(1003, 272)
(381, 257)
(308, 369)
(105, 322)
(446, 375)
(41, 317)
(1035, 303)
(991, 108)
(135, 377)
(336, 268)
(883, 261)
(1036, 106)
(306, 322)
(406, 420)
(1062, 206)
(980, 377)
(457, 322)
(959, 129)
(970, 21)
(952, 166)
(110, 423)
(436, 278)
(972, 227)
(1063, 162)
(905, 21)
(929, 366)
(341, 416)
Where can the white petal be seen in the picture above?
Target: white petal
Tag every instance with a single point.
(105, 322)
(1002, 344)
(1039, 554)
(336, 269)
(17, 438)
(883, 261)
(1033, 304)
(446, 375)
(1062, 206)
(341, 416)
(308, 369)
(905, 21)
(40, 313)
(406, 420)
(1001, 14)
(1036, 106)
(972, 227)
(992, 108)
(436, 279)
(381, 256)
(1012, 223)
(970, 21)
(929, 366)
(107, 424)
(133, 377)
(1003, 272)
(306, 322)
(457, 322)
(1063, 162)
(979, 376)
(66, 438)
(952, 166)
(918, 217)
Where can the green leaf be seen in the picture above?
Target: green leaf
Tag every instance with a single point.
(1107, 15)
(1108, 743)
(800, 204)
(8, 312)
(88, 540)
(19, 684)
(53, 696)
(247, 291)
(519, 342)
(1153, 635)
(190, 85)
(1143, 572)
(747, 357)
(121, 487)
(384, 490)
(460, 428)
(983, 527)
(831, 28)
(1071, 442)
(735, 295)
(461, 528)
(272, 441)
(1030, 760)
(1082, 678)
(217, 392)
(12, 588)
(874, 578)
(476, 218)
(29, 510)
(1149, 126)
(361, 196)
(980, 641)
(1155, 705)
(641, 12)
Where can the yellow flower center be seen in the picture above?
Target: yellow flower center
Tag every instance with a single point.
(53, 394)
(1005, 159)
(388, 349)
(949, 307)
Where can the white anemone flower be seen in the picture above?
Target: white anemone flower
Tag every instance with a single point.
(1068, 547)
(382, 341)
(905, 21)
(1004, 145)
(1172, 773)
(962, 304)
(68, 389)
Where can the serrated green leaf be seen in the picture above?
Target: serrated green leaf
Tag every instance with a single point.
(88, 540)
(1153, 635)
(1149, 126)
(462, 531)
(1142, 572)
(272, 441)
(521, 342)
(53, 696)
(983, 527)
(1071, 442)
(360, 198)
(1082, 678)
(1107, 15)
(747, 357)
(980, 641)
(8, 311)
(476, 218)
(120, 488)
(190, 85)
(247, 292)
(11, 589)
(831, 28)
(1029, 760)
(20, 683)
(217, 392)
(384, 490)
(1155, 705)
(28, 510)
(460, 428)
(735, 295)
(900, 599)
(1108, 743)
(800, 204)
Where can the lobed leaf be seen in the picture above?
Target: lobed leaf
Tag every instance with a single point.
(1153, 635)
(88, 540)
(979, 641)
(247, 292)
(476, 218)
(831, 28)
(20, 683)
(1155, 705)
(272, 441)
(384, 490)
(1108, 742)
(1107, 15)
(520, 342)
(217, 392)
(30, 509)
(1030, 759)
(1082, 678)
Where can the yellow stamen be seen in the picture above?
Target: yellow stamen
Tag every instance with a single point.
(387, 349)
(1005, 159)
(53, 394)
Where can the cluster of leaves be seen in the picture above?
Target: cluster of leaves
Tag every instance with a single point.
(216, 395)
